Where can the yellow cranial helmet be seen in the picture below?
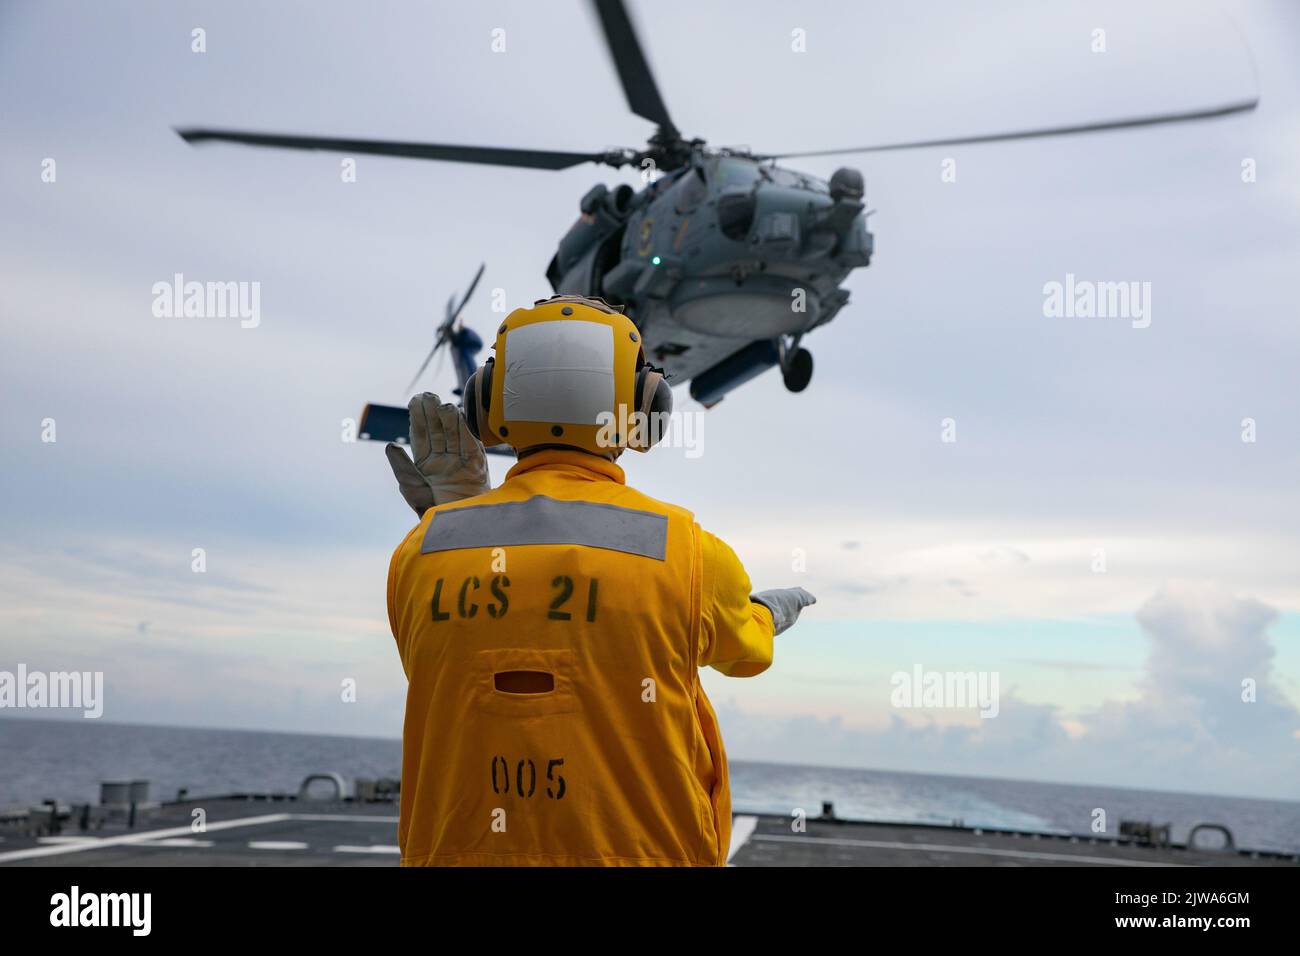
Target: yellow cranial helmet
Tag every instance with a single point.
(570, 371)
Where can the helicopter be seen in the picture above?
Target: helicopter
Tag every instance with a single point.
(724, 259)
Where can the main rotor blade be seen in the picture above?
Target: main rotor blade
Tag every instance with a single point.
(491, 155)
(629, 60)
(469, 292)
(1158, 119)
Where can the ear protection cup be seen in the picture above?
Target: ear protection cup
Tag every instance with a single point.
(654, 399)
(478, 401)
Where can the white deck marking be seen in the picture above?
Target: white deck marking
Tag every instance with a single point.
(741, 830)
(128, 839)
(945, 848)
(396, 850)
(276, 845)
(57, 846)
(98, 841)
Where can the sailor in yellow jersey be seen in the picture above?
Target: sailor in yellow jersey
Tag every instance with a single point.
(552, 629)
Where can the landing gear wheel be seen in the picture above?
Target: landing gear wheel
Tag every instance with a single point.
(797, 370)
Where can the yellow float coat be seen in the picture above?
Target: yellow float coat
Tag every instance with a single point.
(551, 631)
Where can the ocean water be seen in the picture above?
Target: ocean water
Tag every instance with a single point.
(66, 760)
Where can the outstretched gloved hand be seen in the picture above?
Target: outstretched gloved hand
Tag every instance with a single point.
(449, 461)
(785, 604)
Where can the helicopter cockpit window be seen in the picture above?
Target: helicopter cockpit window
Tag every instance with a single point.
(735, 174)
(690, 191)
(783, 177)
(787, 177)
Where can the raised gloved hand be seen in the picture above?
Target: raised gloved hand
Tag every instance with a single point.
(449, 462)
(785, 604)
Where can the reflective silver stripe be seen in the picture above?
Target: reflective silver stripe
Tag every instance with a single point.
(543, 520)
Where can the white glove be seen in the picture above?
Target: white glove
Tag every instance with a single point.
(785, 605)
(449, 461)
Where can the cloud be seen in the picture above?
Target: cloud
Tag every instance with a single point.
(1005, 555)
(1189, 728)
(869, 586)
(253, 643)
(1201, 635)
(1205, 645)
(1069, 667)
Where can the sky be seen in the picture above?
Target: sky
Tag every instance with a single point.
(1099, 535)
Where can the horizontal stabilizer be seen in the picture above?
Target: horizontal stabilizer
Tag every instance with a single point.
(391, 423)
(386, 423)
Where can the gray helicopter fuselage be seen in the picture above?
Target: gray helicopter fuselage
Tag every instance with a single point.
(719, 254)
